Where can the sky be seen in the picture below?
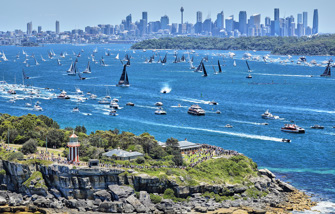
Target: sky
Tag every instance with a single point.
(77, 14)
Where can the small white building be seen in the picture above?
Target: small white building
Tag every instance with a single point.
(120, 154)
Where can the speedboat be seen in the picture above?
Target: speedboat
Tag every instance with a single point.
(292, 128)
(160, 111)
(158, 104)
(196, 110)
(228, 126)
(114, 105)
(75, 109)
(113, 112)
(130, 104)
(115, 100)
(93, 97)
(218, 112)
(286, 140)
(37, 108)
(268, 115)
(317, 127)
(213, 103)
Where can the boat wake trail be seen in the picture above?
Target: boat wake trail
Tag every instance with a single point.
(248, 122)
(283, 75)
(151, 107)
(190, 100)
(299, 170)
(166, 88)
(236, 134)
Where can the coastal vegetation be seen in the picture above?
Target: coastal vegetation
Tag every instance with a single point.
(315, 45)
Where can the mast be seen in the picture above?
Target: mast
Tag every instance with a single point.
(123, 75)
(249, 70)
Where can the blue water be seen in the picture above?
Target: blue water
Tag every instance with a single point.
(308, 162)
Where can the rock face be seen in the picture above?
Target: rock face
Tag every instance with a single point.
(106, 190)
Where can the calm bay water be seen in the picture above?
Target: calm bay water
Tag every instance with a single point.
(286, 90)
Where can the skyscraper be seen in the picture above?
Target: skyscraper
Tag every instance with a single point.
(57, 27)
(242, 19)
(39, 29)
(267, 21)
(128, 22)
(199, 16)
(276, 16)
(315, 22)
(144, 22)
(145, 15)
(305, 19)
(219, 20)
(182, 15)
(229, 24)
(299, 18)
(164, 22)
(29, 28)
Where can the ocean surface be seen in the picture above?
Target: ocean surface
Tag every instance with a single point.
(291, 91)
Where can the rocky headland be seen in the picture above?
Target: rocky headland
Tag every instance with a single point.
(65, 189)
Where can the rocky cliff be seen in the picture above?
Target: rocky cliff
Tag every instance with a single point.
(113, 190)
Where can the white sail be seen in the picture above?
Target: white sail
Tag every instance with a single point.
(117, 56)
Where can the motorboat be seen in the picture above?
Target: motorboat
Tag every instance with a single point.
(213, 103)
(37, 107)
(160, 111)
(130, 104)
(11, 91)
(317, 127)
(196, 110)
(115, 100)
(93, 97)
(268, 115)
(63, 95)
(292, 128)
(228, 126)
(113, 112)
(104, 101)
(75, 109)
(218, 112)
(114, 105)
(159, 104)
(249, 76)
(286, 140)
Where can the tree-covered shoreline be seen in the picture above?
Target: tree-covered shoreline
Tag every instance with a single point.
(316, 45)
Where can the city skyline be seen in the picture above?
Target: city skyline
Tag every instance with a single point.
(110, 13)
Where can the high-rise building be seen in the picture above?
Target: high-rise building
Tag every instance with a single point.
(57, 27)
(219, 20)
(242, 19)
(299, 18)
(207, 25)
(199, 16)
(229, 24)
(267, 21)
(145, 22)
(255, 22)
(164, 22)
(305, 16)
(182, 15)
(29, 28)
(276, 15)
(315, 22)
(128, 22)
(39, 29)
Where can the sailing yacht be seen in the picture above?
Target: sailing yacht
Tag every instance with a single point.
(327, 72)
(117, 56)
(204, 69)
(220, 70)
(234, 63)
(58, 62)
(24, 75)
(249, 70)
(199, 68)
(79, 75)
(88, 68)
(124, 82)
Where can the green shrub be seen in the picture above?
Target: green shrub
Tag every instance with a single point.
(155, 198)
(15, 155)
(169, 194)
(140, 160)
(29, 147)
(2, 172)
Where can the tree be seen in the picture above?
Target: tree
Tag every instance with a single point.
(29, 147)
(55, 138)
(15, 156)
(80, 129)
(172, 142)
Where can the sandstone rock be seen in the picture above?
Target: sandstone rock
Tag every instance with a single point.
(55, 192)
(42, 202)
(145, 199)
(267, 173)
(128, 208)
(285, 186)
(3, 201)
(113, 207)
(201, 209)
(139, 207)
(119, 192)
(103, 195)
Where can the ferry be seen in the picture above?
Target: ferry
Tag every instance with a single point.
(292, 128)
(196, 110)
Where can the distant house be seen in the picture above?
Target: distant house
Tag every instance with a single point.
(120, 154)
(185, 146)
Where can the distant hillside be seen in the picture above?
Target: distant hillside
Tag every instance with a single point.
(317, 45)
